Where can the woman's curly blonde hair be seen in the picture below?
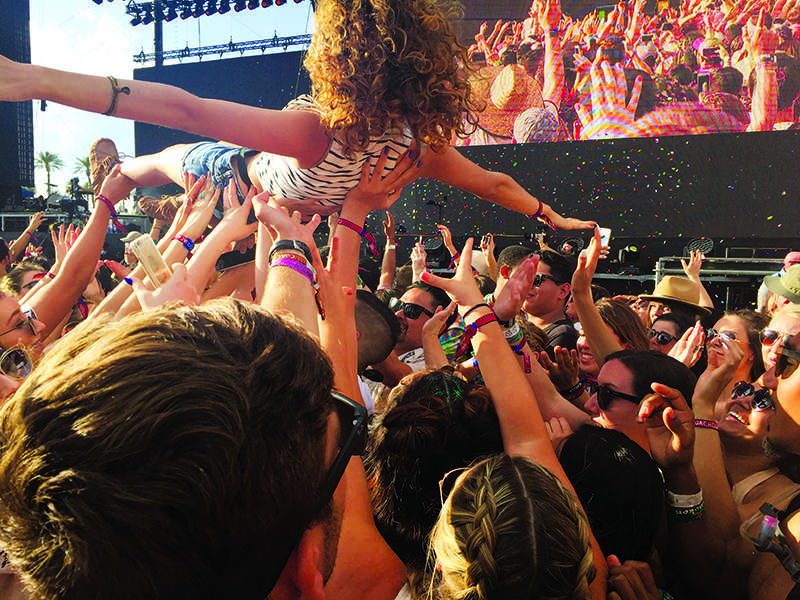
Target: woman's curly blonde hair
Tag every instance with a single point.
(378, 63)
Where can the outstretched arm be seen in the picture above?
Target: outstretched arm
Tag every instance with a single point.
(290, 133)
(452, 168)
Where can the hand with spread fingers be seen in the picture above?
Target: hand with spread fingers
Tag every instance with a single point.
(610, 115)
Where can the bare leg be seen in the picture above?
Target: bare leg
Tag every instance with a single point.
(156, 169)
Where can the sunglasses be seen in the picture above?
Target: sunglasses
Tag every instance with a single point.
(410, 310)
(712, 334)
(606, 394)
(26, 322)
(540, 277)
(769, 336)
(788, 357)
(760, 399)
(15, 363)
(352, 442)
(662, 337)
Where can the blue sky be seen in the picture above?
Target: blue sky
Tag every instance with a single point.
(79, 35)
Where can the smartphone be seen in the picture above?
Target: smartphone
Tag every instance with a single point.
(235, 258)
(151, 260)
(486, 239)
(605, 236)
(703, 81)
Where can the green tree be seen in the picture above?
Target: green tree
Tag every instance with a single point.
(83, 167)
(49, 162)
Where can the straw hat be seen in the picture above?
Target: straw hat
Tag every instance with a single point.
(678, 290)
(511, 91)
(786, 285)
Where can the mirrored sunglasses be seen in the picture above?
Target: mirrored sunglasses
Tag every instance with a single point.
(769, 336)
(760, 398)
(712, 334)
(26, 322)
(16, 363)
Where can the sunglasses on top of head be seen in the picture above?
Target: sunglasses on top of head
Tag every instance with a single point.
(760, 398)
(662, 338)
(788, 357)
(410, 310)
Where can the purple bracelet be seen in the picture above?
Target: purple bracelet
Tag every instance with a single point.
(111, 209)
(296, 266)
(308, 272)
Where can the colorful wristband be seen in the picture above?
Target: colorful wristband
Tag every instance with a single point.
(360, 231)
(111, 209)
(706, 424)
(187, 243)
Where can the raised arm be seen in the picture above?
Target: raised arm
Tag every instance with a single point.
(601, 340)
(521, 425)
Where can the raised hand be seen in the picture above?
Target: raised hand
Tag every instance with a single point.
(670, 426)
(418, 260)
(508, 302)
(610, 116)
(179, 287)
(461, 287)
(689, 347)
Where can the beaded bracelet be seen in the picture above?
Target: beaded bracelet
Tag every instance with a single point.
(360, 231)
(706, 424)
(111, 209)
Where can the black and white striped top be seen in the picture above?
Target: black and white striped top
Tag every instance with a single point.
(321, 189)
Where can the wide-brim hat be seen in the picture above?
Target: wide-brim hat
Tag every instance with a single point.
(678, 290)
(507, 91)
(786, 285)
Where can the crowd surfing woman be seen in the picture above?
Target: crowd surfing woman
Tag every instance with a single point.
(387, 76)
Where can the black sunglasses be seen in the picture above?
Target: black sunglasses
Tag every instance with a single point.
(662, 337)
(540, 277)
(410, 310)
(788, 357)
(769, 336)
(606, 394)
(760, 399)
(352, 442)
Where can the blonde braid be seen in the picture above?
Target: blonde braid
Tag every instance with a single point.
(481, 540)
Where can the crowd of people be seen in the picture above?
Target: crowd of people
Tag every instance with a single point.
(700, 66)
(322, 422)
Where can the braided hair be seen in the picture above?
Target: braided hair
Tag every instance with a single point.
(510, 529)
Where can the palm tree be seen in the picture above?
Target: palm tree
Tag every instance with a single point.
(49, 162)
(83, 167)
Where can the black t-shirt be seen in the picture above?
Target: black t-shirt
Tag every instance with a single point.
(561, 333)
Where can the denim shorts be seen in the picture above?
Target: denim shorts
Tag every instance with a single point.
(214, 160)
